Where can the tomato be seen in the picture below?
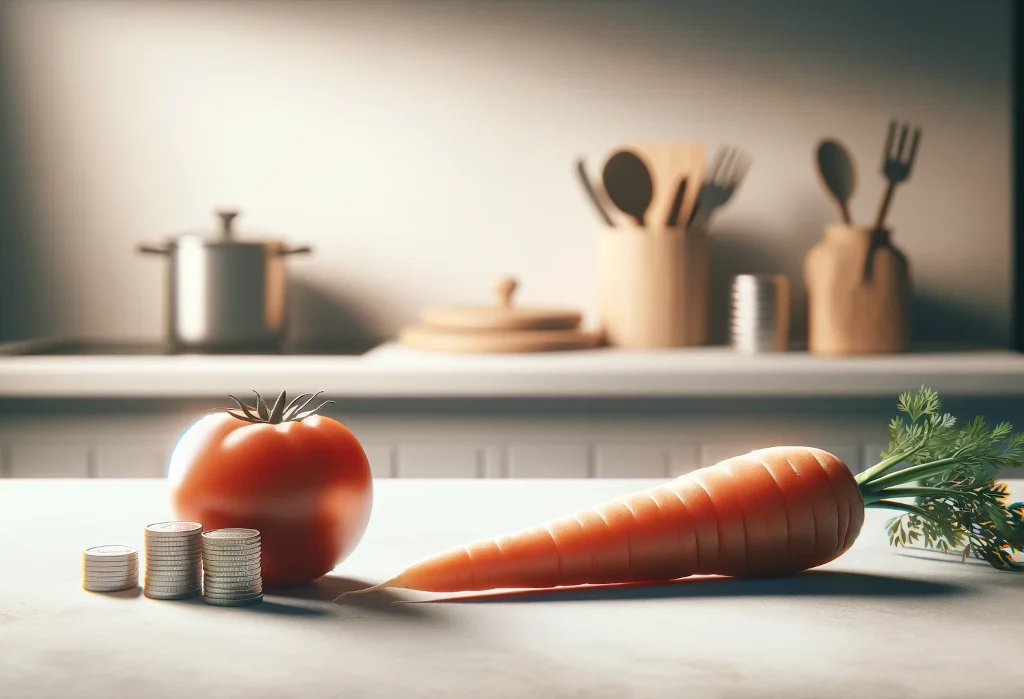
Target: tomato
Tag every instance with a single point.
(301, 479)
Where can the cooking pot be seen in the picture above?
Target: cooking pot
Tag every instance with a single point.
(224, 294)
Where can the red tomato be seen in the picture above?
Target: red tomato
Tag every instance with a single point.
(305, 484)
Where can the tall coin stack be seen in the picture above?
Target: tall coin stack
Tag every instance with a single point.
(173, 560)
(110, 568)
(232, 571)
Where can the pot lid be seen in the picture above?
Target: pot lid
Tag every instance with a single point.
(502, 315)
(224, 235)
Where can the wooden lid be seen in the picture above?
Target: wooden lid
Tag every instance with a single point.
(501, 316)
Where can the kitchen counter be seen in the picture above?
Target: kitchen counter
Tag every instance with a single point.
(391, 371)
(875, 622)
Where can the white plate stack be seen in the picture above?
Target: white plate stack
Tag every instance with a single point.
(232, 570)
(173, 560)
(110, 568)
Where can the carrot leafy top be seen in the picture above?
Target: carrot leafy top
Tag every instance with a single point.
(947, 487)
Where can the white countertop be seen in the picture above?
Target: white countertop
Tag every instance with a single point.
(392, 371)
(876, 622)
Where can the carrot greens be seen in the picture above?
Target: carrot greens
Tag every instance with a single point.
(949, 477)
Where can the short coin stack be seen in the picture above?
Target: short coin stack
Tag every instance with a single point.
(232, 573)
(173, 560)
(110, 568)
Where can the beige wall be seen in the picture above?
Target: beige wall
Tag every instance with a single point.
(423, 147)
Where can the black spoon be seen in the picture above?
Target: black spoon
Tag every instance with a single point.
(837, 172)
(628, 184)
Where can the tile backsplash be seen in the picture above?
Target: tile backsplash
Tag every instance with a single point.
(424, 147)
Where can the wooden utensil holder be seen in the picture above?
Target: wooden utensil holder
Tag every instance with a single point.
(653, 287)
(858, 293)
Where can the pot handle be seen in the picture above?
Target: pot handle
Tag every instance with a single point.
(151, 249)
(300, 250)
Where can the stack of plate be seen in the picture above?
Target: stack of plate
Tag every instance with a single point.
(232, 574)
(173, 560)
(110, 568)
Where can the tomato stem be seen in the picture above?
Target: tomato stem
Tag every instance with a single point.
(283, 411)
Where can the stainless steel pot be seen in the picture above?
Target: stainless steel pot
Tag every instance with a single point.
(225, 295)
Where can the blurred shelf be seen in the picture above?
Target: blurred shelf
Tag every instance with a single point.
(391, 371)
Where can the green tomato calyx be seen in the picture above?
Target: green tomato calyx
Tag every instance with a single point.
(282, 411)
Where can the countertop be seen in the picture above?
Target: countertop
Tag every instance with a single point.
(392, 371)
(876, 622)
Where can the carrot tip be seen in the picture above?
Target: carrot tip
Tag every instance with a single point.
(364, 590)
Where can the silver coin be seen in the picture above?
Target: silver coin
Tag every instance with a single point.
(244, 557)
(231, 534)
(111, 569)
(174, 560)
(230, 545)
(232, 596)
(119, 576)
(110, 583)
(120, 588)
(231, 572)
(174, 564)
(132, 560)
(183, 580)
(173, 527)
(111, 580)
(171, 589)
(232, 603)
(248, 575)
(153, 594)
(180, 582)
(173, 550)
(228, 586)
(174, 546)
(112, 550)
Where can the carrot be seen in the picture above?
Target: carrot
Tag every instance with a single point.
(770, 512)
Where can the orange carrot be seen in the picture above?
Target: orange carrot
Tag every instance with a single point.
(770, 512)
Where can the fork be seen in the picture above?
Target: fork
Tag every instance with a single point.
(727, 170)
(896, 164)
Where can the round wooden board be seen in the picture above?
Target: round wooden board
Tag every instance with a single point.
(487, 319)
(422, 337)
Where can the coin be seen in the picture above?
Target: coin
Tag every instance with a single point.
(109, 576)
(112, 550)
(173, 545)
(255, 575)
(119, 588)
(111, 580)
(232, 595)
(171, 589)
(110, 568)
(173, 528)
(152, 594)
(232, 602)
(180, 580)
(232, 533)
(229, 586)
(173, 560)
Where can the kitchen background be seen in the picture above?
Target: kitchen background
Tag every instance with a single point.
(423, 147)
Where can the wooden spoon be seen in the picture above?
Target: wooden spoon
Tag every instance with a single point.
(837, 172)
(628, 183)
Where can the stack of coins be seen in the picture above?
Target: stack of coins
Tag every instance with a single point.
(110, 568)
(173, 560)
(232, 574)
